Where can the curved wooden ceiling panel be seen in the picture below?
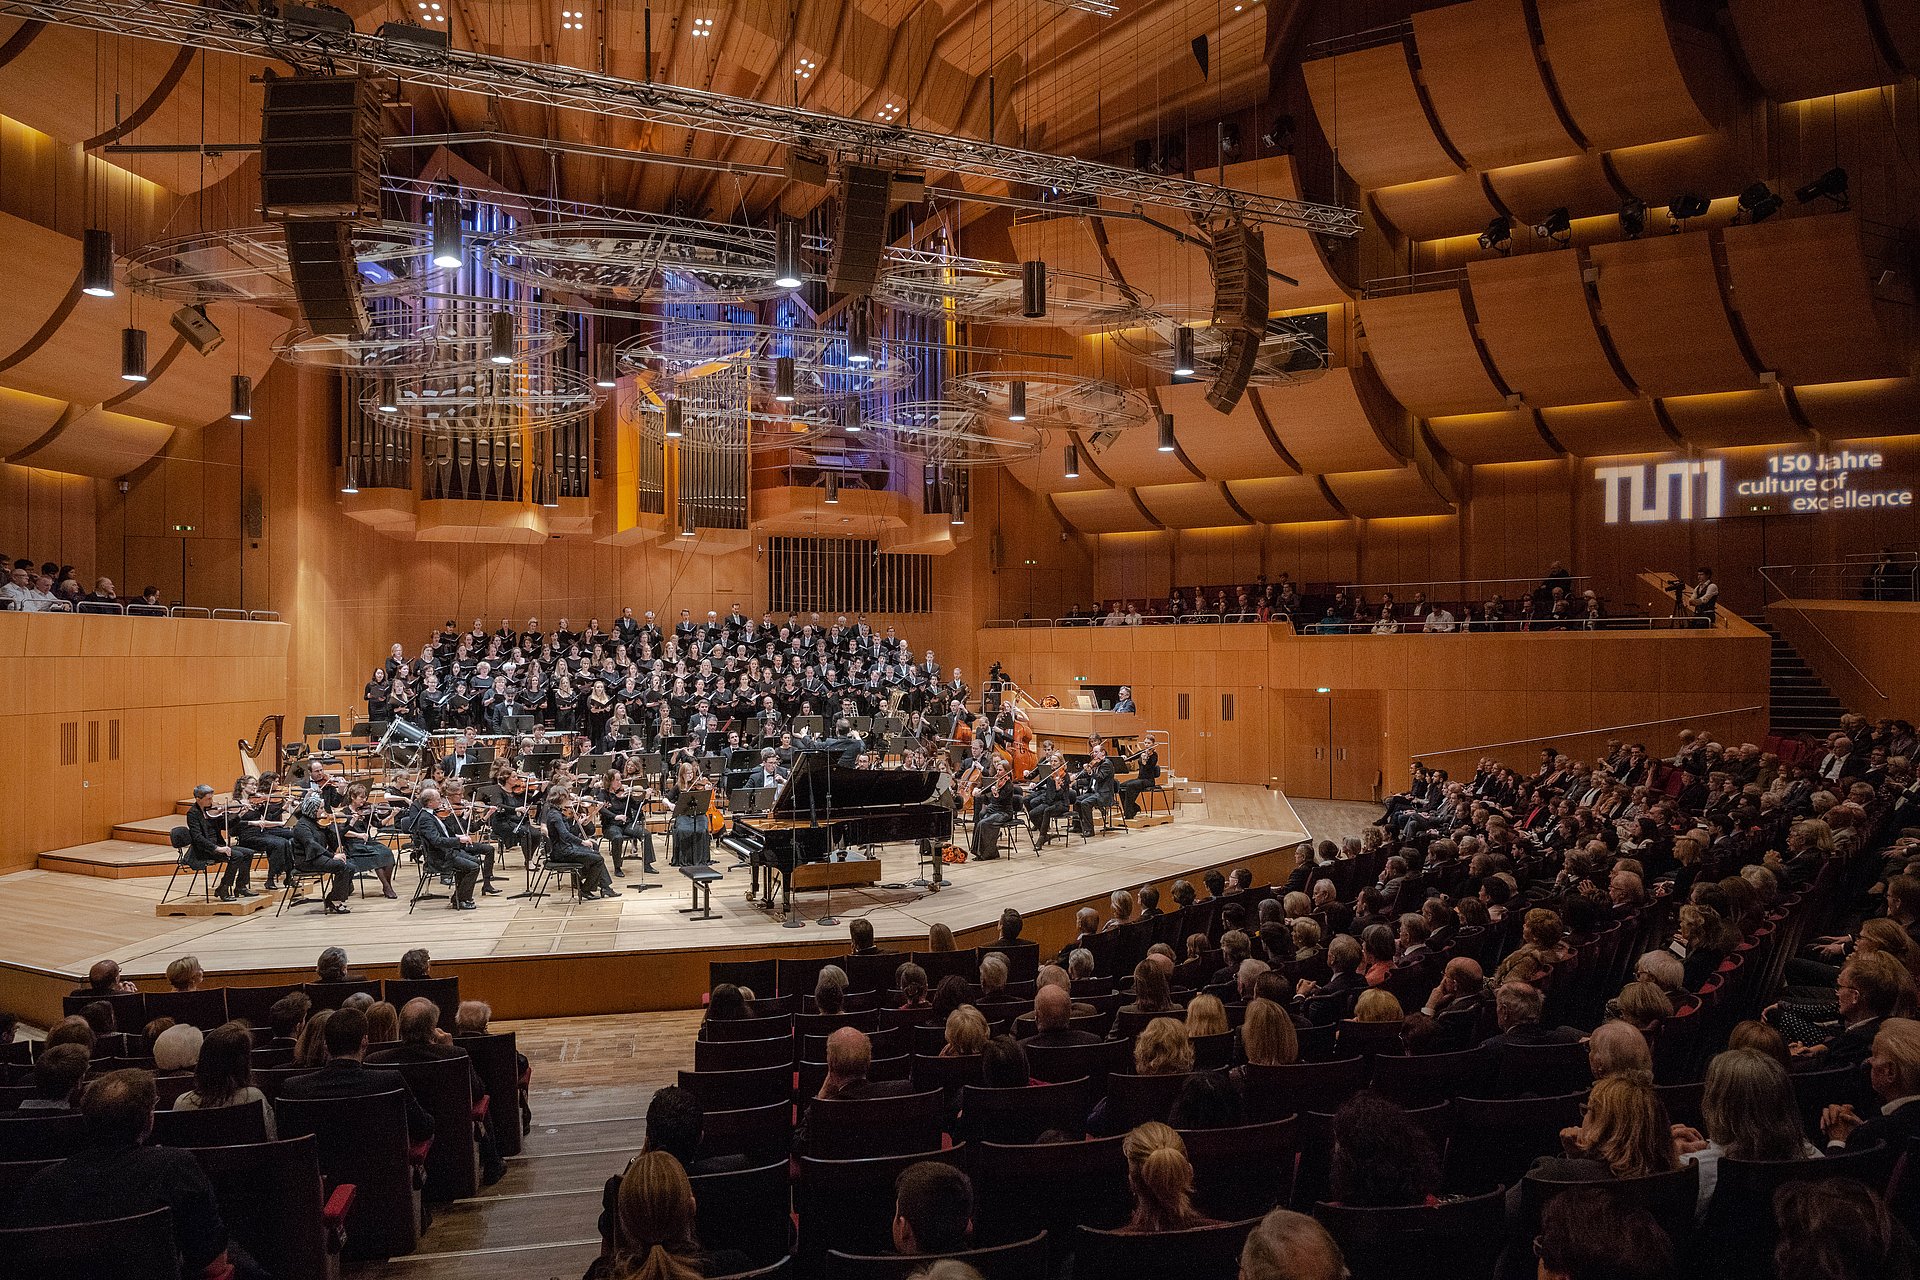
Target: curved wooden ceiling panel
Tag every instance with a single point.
(1511, 435)
(1800, 285)
(1173, 273)
(1477, 62)
(1852, 410)
(1133, 457)
(43, 276)
(1539, 330)
(80, 359)
(1225, 446)
(1618, 72)
(215, 100)
(24, 418)
(1066, 244)
(1901, 22)
(1045, 472)
(1577, 183)
(1196, 505)
(98, 442)
(1711, 164)
(1284, 500)
(1378, 495)
(1425, 353)
(1370, 110)
(1616, 426)
(193, 389)
(1435, 209)
(1666, 317)
(1342, 420)
(1102, 511)
(1290, 251)
(1810, 48)
(1727, 419)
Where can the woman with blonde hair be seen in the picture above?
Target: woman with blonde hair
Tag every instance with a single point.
(1121, 905)
(1206, 1016)
(1161, 1178)
(310, 1050)
(1163, 1048)
(966, 1033)
(1625, 1134)
(1378, 1005)
(1750, 1114)
(1642, 1004)
(1267, 1036)
(653, 1228)
(383, 1023)
(939, 938)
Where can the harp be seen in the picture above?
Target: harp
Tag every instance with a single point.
(250, 751)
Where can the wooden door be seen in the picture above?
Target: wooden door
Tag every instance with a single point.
(1355, 740)
(1305, 762)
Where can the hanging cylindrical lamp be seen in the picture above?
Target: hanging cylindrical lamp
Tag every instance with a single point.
(1017, 400)
(96, 263)
(1033, 289)
(833, 489)
(859, 334)
(447, 250)
(606, 371)
(1072, 471)
(686, 521)
(850, 421)
(786, 254)
(386, 397)
(672, 413)
(240, 398)
(551, 490)
(1183, 352)
(1166, 433)
(133, 354)
(956, 509)
(783, 379)
(349, 483)
(500, 337)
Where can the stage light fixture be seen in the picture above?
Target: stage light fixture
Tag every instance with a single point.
(1229, 137)
(133, 354)
(673, 415)
(833, 490)
(958, 516)
(786, 254)
(387, 399)
(606, 370)
(1633, 217)
(1033, 289)
(1183, 352)
(1072, 471)
(1280, 137)
(1017, 400)
(448, 253)
(96, 263)
(1760, 202)
(1831, 185)
(859, 334)
(850, 417)
(500, 337)
(240, 398)
(1166, 433)
(783, 379)
(1557, 227)
(1685, 207)
(1499, 235)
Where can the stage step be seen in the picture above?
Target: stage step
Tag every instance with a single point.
(148, 830)
(200, 906)
(110, 859)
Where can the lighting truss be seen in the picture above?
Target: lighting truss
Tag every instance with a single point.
(249, 264)
(1288, 353)
(958, 433)
(489, 399)
(638, 258)
(725, 411)
(976, 289)
(234, 31)
(420, 340)
(685, 349)
(1055, 401)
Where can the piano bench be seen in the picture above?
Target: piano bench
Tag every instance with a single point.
(702, 877)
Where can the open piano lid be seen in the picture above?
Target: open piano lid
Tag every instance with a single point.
(815, 779)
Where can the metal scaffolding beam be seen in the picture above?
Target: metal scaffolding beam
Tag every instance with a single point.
(237, 31)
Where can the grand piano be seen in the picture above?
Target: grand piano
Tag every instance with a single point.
(823, 810)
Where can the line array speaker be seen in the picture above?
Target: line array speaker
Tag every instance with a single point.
(319, 148)
(326, 281)
(865, 194)
(1238, 256)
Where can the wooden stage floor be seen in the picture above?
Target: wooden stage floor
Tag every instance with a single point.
(63, 922)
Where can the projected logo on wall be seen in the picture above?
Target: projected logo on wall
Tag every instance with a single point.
(1785, 483)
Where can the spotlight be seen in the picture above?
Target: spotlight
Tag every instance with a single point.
(783, 379)
(850, 417)
(1033, 289)
(1684, 207)
(447, 251)
(133, 354)
(833, 490)
(786, 254)
(500, 337)
(1072, 471)
(1280, 137)
(200, 332)
(386, 400)
(606, 371)
(674, 414)
(1558, 227)
(1760, 202)
(1498, 235)
(1229, 140)
(1017, 400)
(348, 484)
(859, 335)
(96, 263)
(1166, 433)
(1831, 185)
(1183, 352)
(1633, 217)
(240, 398)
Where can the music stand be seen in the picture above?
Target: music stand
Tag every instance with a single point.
(516, 724)
(594, 764)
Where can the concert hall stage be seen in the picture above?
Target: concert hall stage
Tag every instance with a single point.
(563, 958)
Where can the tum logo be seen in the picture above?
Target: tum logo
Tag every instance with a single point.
(1651, 493)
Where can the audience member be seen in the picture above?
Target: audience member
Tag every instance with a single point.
(932, 1209)
(1838, 1229)
(224, 1075)
(1291, 1246)
(1381, 1157)
(346, 1075)
(178, 1048)
(56, 1078)
(1161, 1178)
(1586, 1234)
(653, 1234)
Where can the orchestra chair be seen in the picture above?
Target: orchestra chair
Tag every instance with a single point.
(444, 992)
(205, 1008)
(1056, 1063)
(750, 1210)
(763, 1135)
(542, 871)
(755, 975)
(423, 888)
(140, 1247)
(857, 1128)
(1020, 1260)
(1198, 1253)
(218, 1127)
(12, 1095)
(1021, 1115)
(273, 1198)
(129, 1007)
(848, 1204)
(298, 881)
(1495, 1140)
(1160, 792)
(183, 860)
(1056, 1187)
(747, 1028)
(809, 1076)
(1274, 1092)
(255, 1004)
(887, 1042)
(1670, 1197)
(1740, 1230)
(363, 1142)
(729, 1090)
(331, 995)
(1424, 1079)
(1458, 1238)
(1133, 1100)
(741, 1055)
(941, 964)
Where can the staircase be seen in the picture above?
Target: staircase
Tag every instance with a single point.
(1800, 700)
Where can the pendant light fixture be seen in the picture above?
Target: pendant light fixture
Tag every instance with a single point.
(133, 354)
(606, 371)
(859, 334)
(96, 263)
(783, 379)
(833, 490)
(1033, 289)
(240, 398)
(1183, 352)
(672, 413)
(500, 337)
(1166, 433)
(448, 253)
(786, 254)
(850, 421)
(1017, 400)
(1072, 471)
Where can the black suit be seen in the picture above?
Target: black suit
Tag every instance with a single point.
(1896, 1129)
(566, 846)
(350, 1078)
(445, 854)
(203, 851)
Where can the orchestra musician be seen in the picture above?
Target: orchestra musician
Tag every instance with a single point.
(994, 806)
(361, 843)
(314, 851)
(1148, 773)
(463, 814)
(511, 823)
(568, 846)
(692, 834)
(249, 826)
(446, 853)
(623, 817)
(1083, 793)
(1047, 798)
(769, 772)
(208, 845)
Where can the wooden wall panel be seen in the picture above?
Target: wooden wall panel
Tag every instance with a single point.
(1435, 208)
(1862, 649)
(1339, 421)
(1809, 48)
(1370, 110)
(1538, 327)
(1617, 70)
(1579, 183)
(99, 443)
(1730, 418)
(1399, 491)
(1511, 435)
(1208, 557)
(1173, 273)
(47, 515)
(1477, 62)
(1133, 457)
(1102, 511)
(1877, 407)
(1133, 566)
(24, 418)
(1802, 288)
(1666, 317)
(1423, 349)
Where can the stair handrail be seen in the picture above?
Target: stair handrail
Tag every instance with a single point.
(1820, 631)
